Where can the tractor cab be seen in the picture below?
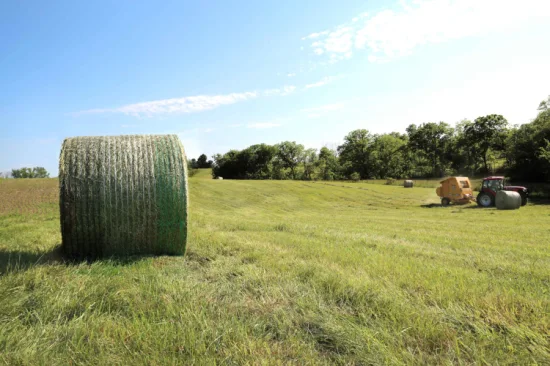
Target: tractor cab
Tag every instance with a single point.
(490, 187)
(493, 184)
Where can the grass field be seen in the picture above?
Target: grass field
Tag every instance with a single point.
(281, 272)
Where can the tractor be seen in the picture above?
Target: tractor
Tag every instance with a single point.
(490, 187)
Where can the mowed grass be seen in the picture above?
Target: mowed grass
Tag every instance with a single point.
(280, 272)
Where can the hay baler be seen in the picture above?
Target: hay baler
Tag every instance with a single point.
(457, 190)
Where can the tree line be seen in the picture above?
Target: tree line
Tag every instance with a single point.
(36, 172)
(486, 145)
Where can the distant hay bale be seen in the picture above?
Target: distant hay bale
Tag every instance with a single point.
(220, 178)
(123, 195)
(408, 184)
(507, 200)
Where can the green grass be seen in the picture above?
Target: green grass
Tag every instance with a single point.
(280, 272)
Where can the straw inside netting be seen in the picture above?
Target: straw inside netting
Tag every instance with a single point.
(123, 195)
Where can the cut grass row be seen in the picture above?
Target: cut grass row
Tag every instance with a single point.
(290, 272)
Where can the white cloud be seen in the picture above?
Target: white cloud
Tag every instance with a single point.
(192, 104)
(286, 90)
(236, 125)
(263, 125)
(321, 82)
(389, 34)
(291, 74)
(208, 130)
(320, 111)
(315, 35)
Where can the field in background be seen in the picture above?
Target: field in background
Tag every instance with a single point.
(284, 272)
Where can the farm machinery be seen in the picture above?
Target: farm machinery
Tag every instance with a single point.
(490, 188)
(458, 190)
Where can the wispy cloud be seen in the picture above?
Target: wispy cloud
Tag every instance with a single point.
(263, 125)
(291, 74)
(323, 81)
(286, 90)
(389, 34)
(320, 111)
(192, 104)
(315, 35)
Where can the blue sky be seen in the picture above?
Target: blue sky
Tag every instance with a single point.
(226, 75)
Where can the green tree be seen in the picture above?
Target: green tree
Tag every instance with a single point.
(526, 150)
(327, 163)
(203, 162)
(354, 153)
(36, 172)
(289, 155)
(488, 132)
(309, 162)
(387, 155)
(258, 161)
(431, 140)
(228, 165)
(545, 104)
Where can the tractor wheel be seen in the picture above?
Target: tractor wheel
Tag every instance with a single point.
(445, 201)
(485, 200)
(523, 199)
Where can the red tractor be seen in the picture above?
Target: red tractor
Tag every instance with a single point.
(490, 187)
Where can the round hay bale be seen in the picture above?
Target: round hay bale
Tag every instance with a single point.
(507, 200)
(408, 184)
(123, 195)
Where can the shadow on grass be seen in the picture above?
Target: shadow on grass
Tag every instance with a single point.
(18, 261)
(439, 205)
(539, 201)
(13, 261)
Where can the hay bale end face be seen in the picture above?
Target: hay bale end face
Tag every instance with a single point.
(408, 184)
(123, 195)
(507, 200)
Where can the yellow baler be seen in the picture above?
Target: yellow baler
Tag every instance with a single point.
(456, 190)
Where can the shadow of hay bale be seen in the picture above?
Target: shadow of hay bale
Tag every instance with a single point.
(19, 261)
(15, 261)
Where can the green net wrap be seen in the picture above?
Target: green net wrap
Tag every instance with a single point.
(123, 195)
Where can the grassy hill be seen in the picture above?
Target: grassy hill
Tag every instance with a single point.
(284, 272)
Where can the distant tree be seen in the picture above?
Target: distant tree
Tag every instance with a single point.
(228, 165)
(289, 154)
(527, 148)
(464, 152)
(36, 172)
(40, 172)
(545, 104)
(431, 141)
(258, 161)
(387, 155)
(488, 132)
(544, 151)
(309, 161)
(193, 164)
(327, 163)
(203, 162)
(355, 152)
